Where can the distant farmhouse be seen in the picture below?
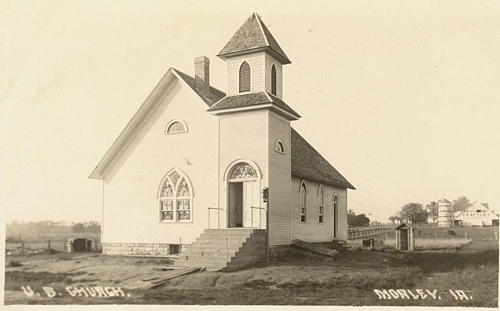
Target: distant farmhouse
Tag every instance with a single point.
(478, 214)
(201, 167)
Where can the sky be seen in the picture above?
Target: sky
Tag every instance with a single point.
(401, 97)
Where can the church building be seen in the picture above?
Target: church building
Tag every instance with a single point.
(220, 178)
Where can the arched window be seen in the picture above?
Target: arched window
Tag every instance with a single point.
(176, 126)
(243, 170)
(176, 198)
(303, 202)
(280, 146)
(273, 80)
(321, 205)
(245, 77)
(335, 216)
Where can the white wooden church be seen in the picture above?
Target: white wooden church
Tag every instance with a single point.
(223, 175)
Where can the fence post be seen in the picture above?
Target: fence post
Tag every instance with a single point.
(496, 236)
(180, 248)
(209, 218)
(22, 247)
(48, 246)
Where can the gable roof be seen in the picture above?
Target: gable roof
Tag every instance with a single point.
(253, 100)
(473, 207)
(306, 161)
(309, 164)
(212, 97)
(444, 201)
(404, 224)
(143, 113)
(253, 35)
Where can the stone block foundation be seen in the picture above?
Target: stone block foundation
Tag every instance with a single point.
(146, 249)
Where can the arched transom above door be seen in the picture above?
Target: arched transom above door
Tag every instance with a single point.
(243, 170)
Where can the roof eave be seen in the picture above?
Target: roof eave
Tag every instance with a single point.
(282, 58)
(340, 184)
(135, 122)
(273, 106)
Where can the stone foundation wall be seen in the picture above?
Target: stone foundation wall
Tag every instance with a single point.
(150, 249)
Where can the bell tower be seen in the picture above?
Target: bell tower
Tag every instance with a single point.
(255, 60)
(255, 133)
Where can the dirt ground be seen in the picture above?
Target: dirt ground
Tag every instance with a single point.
(351, 278)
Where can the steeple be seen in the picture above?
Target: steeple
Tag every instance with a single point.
(255, 60)
(255, 74)
(253, 36)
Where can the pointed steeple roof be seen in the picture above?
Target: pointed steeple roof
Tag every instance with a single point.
(253, 36)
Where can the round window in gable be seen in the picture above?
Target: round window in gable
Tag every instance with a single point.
(176, 126)
(280, 146)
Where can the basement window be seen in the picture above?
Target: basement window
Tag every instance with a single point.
(174, 249)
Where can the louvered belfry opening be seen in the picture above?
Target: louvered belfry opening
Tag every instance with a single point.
(244, 77)
(273, 80)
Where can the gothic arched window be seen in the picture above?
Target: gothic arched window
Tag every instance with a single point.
(245, 77)
(273, 79)
(176, 198)
(303, 202)
(321, 205)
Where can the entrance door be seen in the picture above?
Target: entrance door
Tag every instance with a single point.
(235, 205)
(404, 240)
(242, 197)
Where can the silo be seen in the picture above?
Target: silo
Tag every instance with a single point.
(445, 213)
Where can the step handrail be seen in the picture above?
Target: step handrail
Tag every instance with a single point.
(260, 215)
(216, 208)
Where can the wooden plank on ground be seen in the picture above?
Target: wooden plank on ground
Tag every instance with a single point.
(314, 248)
(157, 281)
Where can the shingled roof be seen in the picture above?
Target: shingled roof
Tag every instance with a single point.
(212, 97)
(252, 99)
(309, 164)
(306, 161)
(253, 35)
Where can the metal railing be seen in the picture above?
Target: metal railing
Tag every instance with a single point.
(260, 215)
(216, 208)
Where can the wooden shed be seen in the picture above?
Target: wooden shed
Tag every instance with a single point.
(405, 237)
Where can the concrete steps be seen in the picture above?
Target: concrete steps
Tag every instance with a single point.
(225, 249)
(340, 245)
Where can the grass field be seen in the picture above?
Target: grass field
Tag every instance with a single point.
(350, 279)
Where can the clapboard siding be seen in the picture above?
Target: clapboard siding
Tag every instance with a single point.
(243, 136)
(312, 231)
(279, 75)
(131, 207)
(279, 182)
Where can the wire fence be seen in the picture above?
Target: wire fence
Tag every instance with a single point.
(363, 232)
(38, 246)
